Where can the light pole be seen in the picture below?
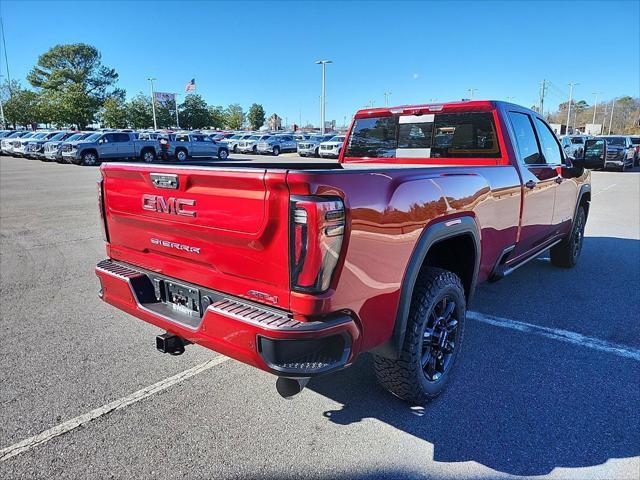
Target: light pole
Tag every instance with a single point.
(613, 106)
(323, 97)
(4, 125)
(595, 106)
(571, 85)
(471, 92)
(386, 98)
(153, 104)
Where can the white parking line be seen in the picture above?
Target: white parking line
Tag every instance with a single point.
(557, 334)
(604, 189)
(29, 443)
(553, 333)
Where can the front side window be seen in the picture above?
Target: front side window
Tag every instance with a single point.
(550, 148)
(525, 138)
(444, 135)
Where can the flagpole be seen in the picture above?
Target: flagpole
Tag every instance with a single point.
(175, 99)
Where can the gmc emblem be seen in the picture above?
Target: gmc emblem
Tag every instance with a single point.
(170, 206)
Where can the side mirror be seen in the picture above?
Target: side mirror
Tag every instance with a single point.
(594, 153)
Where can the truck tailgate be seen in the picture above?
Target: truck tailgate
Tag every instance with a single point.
(224, 229)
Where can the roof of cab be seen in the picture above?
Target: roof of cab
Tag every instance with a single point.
(421, 109)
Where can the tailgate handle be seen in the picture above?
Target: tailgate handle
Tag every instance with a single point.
(164, 180)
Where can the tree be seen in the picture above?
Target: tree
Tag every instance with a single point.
(114, 113)
(218, 118)
(139, 112)
(256, 116)
(21, 108)
(75, 74)
(194, 112)
(234, 116)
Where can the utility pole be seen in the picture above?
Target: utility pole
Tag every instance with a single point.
(153, 104)
(613, 106)
(4, 124)
(595, 106)
(543, 91)
(571, 85)
(471, 92)
(386, 98)
(323, 98)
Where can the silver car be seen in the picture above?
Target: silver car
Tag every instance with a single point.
(277, 144)
(332, 147)
(250, 145)
(311, 146)
(232, 141)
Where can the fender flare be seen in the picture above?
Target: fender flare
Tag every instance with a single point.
(431, 235)
(584, 189)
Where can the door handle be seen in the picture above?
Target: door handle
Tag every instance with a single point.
(530, 184)
(558, 180)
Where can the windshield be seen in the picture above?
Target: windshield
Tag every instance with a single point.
(235, 137)
(15, 134)
(577, 140)
(57, 136)
(337, 138)
(616, 141)
(93, 136)
(442, 135)
(75, 136)
(39, 135)
(635, 140)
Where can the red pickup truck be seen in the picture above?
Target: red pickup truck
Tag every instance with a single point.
(297, 268)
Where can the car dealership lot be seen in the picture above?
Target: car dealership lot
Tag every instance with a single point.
(547, 380)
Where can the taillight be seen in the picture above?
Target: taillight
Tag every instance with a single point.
(317, 230)
(103, 219)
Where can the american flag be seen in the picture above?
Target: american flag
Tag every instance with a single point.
(191, 86)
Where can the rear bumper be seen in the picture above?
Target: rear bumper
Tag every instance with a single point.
(267, 338)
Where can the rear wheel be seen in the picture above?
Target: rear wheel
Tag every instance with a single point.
(223, 154)
(566, 253)
(433, 339)
(148, 156)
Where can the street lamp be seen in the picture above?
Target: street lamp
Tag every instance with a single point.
(153, 104)
(323, 96)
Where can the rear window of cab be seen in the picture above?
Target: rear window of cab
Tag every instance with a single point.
(442, 135)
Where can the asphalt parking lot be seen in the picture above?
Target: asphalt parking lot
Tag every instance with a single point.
(547, 383)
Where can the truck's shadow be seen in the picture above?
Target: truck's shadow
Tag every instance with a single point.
(520, 403)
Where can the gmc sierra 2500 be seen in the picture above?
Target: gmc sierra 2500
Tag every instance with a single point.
(297, 268)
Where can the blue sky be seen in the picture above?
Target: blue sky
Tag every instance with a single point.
(264, 52)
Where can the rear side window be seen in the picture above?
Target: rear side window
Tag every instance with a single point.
(550, 148)
(525, 138)
(122, 137)
(444, 135)
(577, 140)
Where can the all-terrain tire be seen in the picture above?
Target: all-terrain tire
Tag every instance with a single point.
(405, 377)
(566, 253)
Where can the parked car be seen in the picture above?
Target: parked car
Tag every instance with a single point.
(6, 144)
(250, 144)
(232, 141)
(332, 147)
(298, 271)
(35, 147)
(183, 146)
(573, 145)
(636, 143)
(620, 152)
(111, 146)
(276, 144)
(51, 147)
(20, 145)
(69, 144)
(311, 146)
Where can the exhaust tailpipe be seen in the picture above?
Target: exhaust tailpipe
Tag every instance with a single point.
(171, 344)
(288, 387)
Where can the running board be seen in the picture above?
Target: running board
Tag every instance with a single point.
(502, 271)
